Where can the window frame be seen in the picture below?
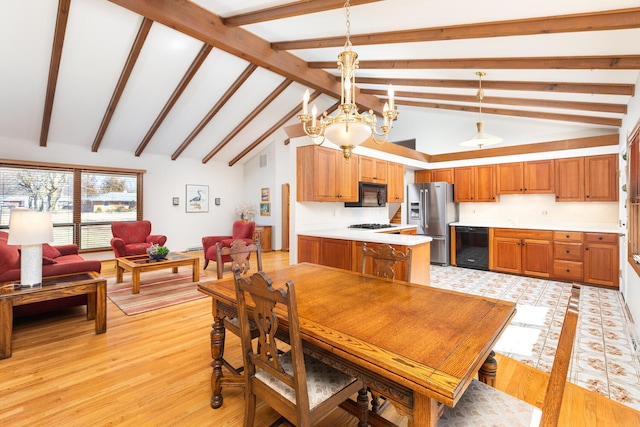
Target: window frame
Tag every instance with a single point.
(633, 196)
(77, 171)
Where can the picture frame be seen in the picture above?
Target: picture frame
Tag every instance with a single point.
(264, 194)
(197, 198)
(265, 209)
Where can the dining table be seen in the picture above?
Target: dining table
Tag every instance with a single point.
(416, 345)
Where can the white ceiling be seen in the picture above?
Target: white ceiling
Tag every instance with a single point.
(100, 34)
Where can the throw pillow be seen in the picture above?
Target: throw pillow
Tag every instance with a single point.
(48, 261)
(49, 251)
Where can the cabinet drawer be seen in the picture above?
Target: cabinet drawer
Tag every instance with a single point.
(568, 270)
(567, 236)
(518, 233)
(601, 237)
(568, 251)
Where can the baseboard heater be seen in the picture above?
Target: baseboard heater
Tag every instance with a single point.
(194, 249)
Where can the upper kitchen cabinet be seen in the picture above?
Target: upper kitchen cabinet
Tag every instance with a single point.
(323, 175)
(372, 170)
(434, 175)
(395, 186)
(592, 178)
(475, 184)
(526, 177)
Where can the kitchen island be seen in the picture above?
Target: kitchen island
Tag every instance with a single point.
(342, 248)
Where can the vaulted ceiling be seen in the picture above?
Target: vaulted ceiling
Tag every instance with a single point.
(216, 80)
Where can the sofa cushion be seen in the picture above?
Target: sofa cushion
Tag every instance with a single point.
(9, 255)
(49, 251)
(48, 261)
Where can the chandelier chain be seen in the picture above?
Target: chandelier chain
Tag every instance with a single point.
(347, 18)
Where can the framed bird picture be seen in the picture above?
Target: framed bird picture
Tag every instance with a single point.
(197, 198)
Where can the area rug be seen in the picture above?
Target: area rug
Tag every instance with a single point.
(158, 289)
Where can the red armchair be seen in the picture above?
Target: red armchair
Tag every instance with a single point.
(241, 230)
(133, 238)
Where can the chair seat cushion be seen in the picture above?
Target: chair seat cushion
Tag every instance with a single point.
(323, 381)
(484, 406)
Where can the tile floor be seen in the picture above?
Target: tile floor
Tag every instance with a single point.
(603, 360)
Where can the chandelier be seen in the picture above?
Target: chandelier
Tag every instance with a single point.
(481, 139)
(347, 128)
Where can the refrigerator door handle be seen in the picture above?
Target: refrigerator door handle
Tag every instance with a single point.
(425, 211)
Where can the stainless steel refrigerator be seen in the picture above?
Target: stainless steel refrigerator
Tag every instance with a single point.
(431, 208)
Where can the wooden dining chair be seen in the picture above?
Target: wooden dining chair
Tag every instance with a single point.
(482, 404)
(240, 253)
(298, 387)
(384, 259)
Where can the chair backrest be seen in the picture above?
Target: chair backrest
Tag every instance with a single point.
(239, 252)
(131, 231)
(384, 259)
(562, 360)
(243, 230)
(262, 354)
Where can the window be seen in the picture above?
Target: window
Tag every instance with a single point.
(83, 201)
(633, 202)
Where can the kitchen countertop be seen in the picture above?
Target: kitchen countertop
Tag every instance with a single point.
(595, 227)
(373, 236)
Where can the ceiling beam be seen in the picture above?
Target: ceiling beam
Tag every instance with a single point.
(195, 21)
(528, 102)
(288, 10)
(54, 67)
(606, 121)
(617, 62)
(143, 31)
(567, 87)
(182, 86)
(248, 119)
(597, 21)
(214, 110)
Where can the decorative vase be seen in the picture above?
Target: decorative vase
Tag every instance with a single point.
(243, 218)
(157, 257)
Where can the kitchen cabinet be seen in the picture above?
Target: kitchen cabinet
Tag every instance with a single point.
(372, 170)
(395, 185)
(323, 175)
(519, 251)
(263, 232)
(400, 269)
(601, 259)
(568, 255)
(335, 253)
(536, 177)
(309, 249)
(475, 184)
(592, 178)
(434, 175)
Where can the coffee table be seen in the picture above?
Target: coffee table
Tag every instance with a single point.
(90, 283)
(137, 264)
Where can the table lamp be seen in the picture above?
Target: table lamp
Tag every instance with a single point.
(30, 229)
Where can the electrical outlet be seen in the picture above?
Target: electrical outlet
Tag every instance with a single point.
(544, 212)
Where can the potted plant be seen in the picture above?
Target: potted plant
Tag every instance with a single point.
(156, 251)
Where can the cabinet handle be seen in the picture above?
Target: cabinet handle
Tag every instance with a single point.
(568, 270)
(587, 196)
(586, 249)
(525, 189)
(568, 251)
(567, 237)
(600, 238)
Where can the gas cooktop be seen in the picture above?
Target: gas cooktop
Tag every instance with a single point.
(371, 226)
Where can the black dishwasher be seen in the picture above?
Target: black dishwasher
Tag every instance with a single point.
(472, 247)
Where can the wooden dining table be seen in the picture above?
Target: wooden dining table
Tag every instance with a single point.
(416, 345)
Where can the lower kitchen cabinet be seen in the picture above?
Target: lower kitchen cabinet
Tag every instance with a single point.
(601, 265)
(336, 253)
(309, 249)
(568, 255)
(519, 251)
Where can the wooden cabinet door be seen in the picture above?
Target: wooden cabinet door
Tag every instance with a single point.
(509, 178)
(336, 253)
(422, 176)
(442, 175)
(601, 259)
(569, 179)
(263, 233)
(395, 185)
(325, 174)
(507, 254)
(485, 183)
(347, 178)
(537, 259)
(309, 249)
(463, 189)
(601, 178)
(539, 177)
(372, 170)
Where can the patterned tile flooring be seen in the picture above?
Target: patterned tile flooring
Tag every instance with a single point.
(603, 359)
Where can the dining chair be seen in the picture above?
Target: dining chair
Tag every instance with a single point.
(384, 259)
(297, 386)
(239, 253)
(482, 404)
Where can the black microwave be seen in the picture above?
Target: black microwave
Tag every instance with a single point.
(369, 196)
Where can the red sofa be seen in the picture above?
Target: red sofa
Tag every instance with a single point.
(240, 230)
(56, 260)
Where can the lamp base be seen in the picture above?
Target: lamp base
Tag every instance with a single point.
(31, 266)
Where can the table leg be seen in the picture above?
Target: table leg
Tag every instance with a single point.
(91, 305)
(119, 272)
(425, 411)
(6, 327)
(135, 278)
(488, 371)
(101, 307)
(196, 270)
(175, 270)
(217, 353)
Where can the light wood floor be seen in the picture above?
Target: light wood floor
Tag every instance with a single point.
(153, 369)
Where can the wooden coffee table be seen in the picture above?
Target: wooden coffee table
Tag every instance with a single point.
(137, 264)
(90, 283)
